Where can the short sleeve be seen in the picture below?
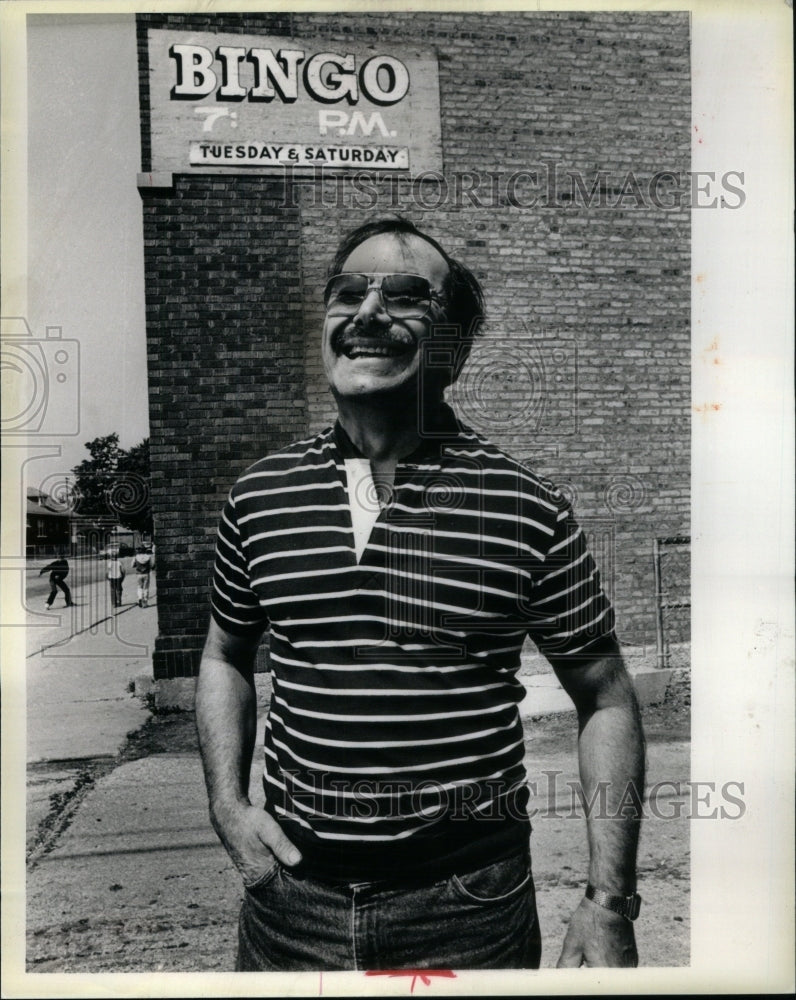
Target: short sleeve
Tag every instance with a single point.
(234, 604)
(571, 617)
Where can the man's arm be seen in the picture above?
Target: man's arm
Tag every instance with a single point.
(226, 719)
(611, 756)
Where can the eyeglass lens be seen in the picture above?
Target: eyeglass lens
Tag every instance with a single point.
(404, 295)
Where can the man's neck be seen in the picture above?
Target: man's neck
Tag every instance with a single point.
(384, 433)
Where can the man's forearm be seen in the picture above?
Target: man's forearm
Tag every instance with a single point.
(611, 757)
(226, 719)
(611, 754)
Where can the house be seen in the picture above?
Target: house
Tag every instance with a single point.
(47, 525)
(52, 529)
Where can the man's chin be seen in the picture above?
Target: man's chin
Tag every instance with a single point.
(367, 382)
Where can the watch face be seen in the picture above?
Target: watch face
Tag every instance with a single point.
(632, 907)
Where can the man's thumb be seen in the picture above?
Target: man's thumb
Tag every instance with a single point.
(275, 840)
(571, 956)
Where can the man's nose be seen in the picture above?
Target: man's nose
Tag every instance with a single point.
(372, 311)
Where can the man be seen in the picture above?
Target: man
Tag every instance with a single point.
(398, 562)
(58, 570)
(142, 565)
(115, 574)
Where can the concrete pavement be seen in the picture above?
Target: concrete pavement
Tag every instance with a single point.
(79, 669)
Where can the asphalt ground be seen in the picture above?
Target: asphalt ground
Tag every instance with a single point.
(84, 571)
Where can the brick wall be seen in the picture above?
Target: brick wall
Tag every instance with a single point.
(583, 368)
(225, 356)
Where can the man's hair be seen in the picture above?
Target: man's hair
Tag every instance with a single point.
(464, 308)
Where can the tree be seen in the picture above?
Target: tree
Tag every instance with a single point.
(115, 483)
(133, 469)
(95, 476)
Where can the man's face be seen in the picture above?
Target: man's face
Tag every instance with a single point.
(369, 351)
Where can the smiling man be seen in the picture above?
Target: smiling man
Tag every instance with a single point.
(398, 562)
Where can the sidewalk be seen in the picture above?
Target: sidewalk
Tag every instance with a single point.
(136, 880)
(79, 703)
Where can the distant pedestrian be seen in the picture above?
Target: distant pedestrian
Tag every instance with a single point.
(114, 571)
(58, 569)
(143, 563)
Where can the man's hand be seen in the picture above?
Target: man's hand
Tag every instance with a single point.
(252, 839)
(598, 937)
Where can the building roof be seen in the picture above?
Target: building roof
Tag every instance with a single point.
(42, 502)
(39, 510)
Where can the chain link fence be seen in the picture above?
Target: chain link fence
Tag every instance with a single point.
(672, 559)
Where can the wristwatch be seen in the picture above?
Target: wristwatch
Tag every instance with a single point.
(626, 906)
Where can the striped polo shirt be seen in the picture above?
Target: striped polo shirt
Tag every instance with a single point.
(393, 732)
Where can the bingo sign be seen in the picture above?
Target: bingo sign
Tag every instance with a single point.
(225, 103)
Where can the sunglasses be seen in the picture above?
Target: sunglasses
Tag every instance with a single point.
(405, 296)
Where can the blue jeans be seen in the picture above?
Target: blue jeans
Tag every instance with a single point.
(484, 919)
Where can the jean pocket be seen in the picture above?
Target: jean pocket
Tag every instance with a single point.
(261, 880)
(496, 883)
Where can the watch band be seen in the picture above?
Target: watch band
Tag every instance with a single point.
(626, 906)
